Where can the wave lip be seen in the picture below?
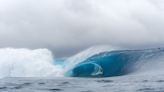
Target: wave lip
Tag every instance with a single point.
(82, 56)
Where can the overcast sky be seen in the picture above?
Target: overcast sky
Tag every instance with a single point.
(68, 26)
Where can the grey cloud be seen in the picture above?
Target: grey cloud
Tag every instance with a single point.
(72, 25)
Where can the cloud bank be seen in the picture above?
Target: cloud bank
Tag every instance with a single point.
(67, 26)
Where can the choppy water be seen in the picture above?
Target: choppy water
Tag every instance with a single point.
(142, 83)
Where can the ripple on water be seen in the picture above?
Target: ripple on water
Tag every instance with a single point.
(55, 89)
(146, 90)
(3, 88)
(104, 81)
(160, 81)
(86, 91)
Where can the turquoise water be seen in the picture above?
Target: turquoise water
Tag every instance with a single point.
(60, 62)
(113, 63)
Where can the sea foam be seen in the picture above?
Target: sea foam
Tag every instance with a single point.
(27, 63)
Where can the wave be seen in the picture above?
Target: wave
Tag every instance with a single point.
(99, 61)
(120, 62)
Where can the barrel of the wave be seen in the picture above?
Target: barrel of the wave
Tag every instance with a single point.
(106, 64)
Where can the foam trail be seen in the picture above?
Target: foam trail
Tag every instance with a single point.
(27, 63)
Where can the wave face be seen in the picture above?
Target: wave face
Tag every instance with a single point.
(116, 63)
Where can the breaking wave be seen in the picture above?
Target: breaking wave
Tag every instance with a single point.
(120, 62)
(101, 61)
(27, 63)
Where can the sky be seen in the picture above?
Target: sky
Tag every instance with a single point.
(69, 26)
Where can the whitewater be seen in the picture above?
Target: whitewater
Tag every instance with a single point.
(27, 63)
(24, 70)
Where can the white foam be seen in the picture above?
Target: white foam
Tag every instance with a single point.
(27, 63)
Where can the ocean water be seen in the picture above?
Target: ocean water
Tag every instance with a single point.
(96, 69)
